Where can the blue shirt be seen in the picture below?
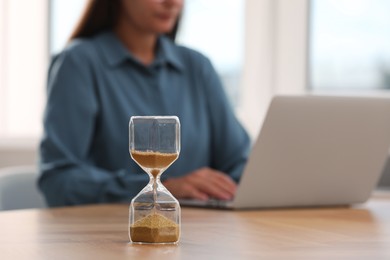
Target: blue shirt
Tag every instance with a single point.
(95, 85)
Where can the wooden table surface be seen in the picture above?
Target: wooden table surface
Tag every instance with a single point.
(100, 232)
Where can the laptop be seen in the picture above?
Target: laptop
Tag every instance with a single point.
(314, 151)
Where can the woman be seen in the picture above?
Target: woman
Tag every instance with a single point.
(120, 62)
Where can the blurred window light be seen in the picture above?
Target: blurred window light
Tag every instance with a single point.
(349, 44)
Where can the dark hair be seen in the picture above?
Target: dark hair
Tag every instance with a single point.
(101, 15)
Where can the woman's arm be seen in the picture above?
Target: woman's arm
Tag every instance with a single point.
(230, 142)
(230, 146)
(68, 175)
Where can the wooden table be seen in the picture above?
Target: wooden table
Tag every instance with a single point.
(100, 232)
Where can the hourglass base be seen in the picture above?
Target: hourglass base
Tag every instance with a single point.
(154, 222)
(154, 243)
(154, 226)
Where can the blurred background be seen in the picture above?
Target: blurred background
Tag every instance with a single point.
(259, 47)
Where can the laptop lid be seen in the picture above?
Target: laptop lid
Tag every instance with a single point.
(316, 151)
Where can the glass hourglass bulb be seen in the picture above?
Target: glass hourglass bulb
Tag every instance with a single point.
(154, 144)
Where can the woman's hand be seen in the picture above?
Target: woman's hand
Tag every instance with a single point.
(202, 184)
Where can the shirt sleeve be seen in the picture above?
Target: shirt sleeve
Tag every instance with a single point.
(230, 142)
(68, 176)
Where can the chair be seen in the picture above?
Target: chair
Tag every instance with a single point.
(18, 188)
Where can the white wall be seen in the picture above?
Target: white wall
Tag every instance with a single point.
(275, 56)
(14, 156)
(23, 65)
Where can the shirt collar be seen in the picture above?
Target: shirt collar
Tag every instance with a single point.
(167, 53)
(115, 52)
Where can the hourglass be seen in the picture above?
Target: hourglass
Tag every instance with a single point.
(154, 144)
